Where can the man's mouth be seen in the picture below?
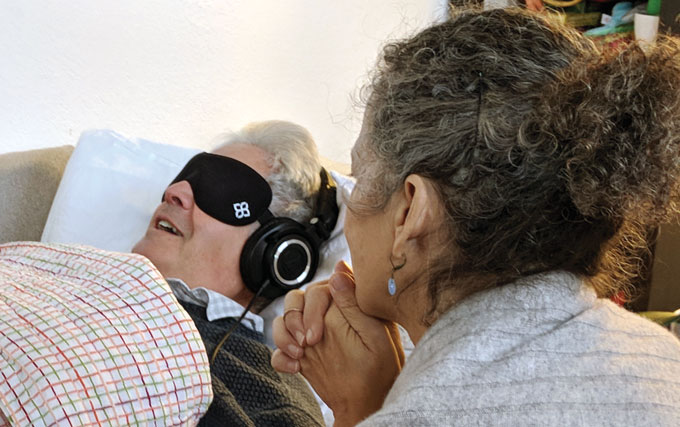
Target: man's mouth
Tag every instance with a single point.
(164, 225)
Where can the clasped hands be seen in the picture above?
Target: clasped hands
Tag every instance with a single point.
(351, 359)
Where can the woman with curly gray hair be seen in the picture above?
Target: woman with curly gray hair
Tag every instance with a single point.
(507, 174)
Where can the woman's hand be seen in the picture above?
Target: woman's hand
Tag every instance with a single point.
(356, 361)
(302, 323)
(349, 358)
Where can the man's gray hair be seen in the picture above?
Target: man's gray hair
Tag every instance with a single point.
(294, 162)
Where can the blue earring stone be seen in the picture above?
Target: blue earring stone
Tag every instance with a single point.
(391, 286)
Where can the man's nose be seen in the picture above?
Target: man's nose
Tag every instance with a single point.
(179, 194)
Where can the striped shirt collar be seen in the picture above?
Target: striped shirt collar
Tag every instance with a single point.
(217, 306)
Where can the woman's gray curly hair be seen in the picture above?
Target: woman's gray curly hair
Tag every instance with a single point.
(547, 153)
(293, 159)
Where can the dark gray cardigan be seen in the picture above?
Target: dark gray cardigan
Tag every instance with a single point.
(248, 391)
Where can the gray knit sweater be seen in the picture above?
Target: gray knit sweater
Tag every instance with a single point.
(542, 351)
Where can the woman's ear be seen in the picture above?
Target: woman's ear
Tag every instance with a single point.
(416, 212)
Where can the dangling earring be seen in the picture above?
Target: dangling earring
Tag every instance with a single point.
(391, 284)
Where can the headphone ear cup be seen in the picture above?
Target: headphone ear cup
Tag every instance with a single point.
(252, 259)
(281, 255)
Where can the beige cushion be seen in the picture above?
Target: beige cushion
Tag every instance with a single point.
(332, 165)
(28, 181)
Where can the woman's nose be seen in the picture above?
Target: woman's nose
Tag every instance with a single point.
(179, 194)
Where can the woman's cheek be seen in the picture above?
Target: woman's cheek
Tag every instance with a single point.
(357, 252)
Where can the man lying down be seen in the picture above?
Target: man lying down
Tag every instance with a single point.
(235, 229)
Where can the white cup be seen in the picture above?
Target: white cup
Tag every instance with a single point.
(646, 27)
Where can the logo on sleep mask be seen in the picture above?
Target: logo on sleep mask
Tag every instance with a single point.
(226, 189)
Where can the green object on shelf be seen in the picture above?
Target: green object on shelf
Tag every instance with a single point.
(664, 318)
(589, 19)
(654, 7)
(578, 8)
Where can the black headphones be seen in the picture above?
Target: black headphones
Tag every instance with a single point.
(283, 254)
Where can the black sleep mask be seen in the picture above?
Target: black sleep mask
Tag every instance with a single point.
(226, 189)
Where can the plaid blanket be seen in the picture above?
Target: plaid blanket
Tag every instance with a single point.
(89, 337)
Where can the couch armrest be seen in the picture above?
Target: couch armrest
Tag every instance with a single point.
(28, 182)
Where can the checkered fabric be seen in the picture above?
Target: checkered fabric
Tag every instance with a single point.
(89, 337)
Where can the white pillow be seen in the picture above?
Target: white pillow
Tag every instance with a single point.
(110, 188)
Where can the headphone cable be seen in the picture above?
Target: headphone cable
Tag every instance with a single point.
(235, 325)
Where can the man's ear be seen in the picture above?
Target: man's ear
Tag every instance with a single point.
(416, 212)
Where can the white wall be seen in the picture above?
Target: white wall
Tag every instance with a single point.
(183, 71)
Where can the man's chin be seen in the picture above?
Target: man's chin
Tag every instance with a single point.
(148, 244)
(138, 248)
(147, 249)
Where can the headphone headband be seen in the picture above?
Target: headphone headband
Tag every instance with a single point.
(326, 208)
